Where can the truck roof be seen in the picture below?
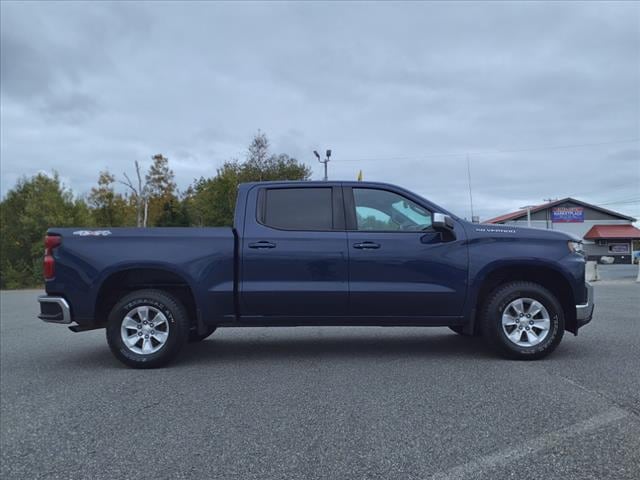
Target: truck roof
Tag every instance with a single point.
(319, 182)
(247, 186)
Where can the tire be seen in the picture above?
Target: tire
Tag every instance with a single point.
(523, 337)
(159, 342)
(194, 337)
(459, 329)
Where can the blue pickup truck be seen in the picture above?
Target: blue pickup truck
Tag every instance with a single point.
(317, 253)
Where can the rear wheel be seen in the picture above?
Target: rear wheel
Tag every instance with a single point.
(523, 320)
(147, 328)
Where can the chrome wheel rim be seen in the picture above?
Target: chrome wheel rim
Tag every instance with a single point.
(526, 322)
(144, 330)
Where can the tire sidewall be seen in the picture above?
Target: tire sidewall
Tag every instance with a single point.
(169, 349)
(503, 299)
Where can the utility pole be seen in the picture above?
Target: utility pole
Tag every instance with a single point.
(469, 179)
(324, 162)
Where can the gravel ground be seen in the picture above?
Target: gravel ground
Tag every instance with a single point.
(331, 403)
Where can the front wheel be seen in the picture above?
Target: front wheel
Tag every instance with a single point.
(147, 328)
(523, 321)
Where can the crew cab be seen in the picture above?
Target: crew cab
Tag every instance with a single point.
(313, 254)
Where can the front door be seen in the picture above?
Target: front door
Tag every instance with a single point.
(294, 255)
(398, 265)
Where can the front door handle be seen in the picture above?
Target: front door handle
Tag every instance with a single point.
(366, 245)
(262, 244)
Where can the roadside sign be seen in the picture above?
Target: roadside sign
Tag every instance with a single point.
(567, 215)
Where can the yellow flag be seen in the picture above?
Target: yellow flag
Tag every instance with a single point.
(360, 176)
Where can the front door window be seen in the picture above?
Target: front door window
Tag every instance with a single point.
(384, 211)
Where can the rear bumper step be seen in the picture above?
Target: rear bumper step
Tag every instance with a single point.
(54, 310)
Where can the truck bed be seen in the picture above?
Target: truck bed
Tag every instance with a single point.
(201, 257)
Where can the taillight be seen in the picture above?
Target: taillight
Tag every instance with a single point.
(49, 263)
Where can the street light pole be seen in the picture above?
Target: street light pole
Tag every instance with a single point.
(324, 162)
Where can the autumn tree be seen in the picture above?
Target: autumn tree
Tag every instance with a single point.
(108, 208)
(164, 205)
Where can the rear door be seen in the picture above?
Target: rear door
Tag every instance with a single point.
(294, 253)
(399, 266)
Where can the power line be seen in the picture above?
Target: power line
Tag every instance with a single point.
(591, 193)
(486, 153)
(557, 147)
(620, 203)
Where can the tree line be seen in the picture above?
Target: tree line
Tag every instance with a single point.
(143, 199)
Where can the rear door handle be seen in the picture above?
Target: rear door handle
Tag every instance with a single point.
(366, 245)
(262, 244)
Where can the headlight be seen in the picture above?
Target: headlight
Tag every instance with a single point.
(575, 247)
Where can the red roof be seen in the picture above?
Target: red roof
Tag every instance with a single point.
(612, 231)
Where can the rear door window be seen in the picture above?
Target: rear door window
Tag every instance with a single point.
(298, 208)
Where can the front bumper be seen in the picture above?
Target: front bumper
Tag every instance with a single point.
(584, 312)
(54, 310)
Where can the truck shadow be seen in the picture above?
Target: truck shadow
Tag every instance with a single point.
(290, 345)
(387, 346)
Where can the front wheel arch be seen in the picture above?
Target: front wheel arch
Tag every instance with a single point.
(545, 276)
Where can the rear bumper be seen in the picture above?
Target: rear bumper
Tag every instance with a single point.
(584, 312)
(54, 310)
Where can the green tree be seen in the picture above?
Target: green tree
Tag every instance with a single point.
(212, 201)
(31, 207)
(174, 213)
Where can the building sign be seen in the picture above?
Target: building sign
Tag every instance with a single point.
(567, 214)
(618, 248)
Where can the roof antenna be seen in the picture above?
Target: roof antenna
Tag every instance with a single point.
(469, 179)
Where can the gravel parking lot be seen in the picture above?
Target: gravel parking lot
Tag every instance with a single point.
(351, 403)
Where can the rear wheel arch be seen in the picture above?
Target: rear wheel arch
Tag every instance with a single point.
(124, 281)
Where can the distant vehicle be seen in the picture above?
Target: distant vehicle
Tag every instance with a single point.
(317, 253)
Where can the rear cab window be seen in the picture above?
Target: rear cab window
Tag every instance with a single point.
(304, 209)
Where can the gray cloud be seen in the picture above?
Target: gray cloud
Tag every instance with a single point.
(401, 91)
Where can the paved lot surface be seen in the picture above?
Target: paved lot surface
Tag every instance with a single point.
(618, 272)
(328, 403)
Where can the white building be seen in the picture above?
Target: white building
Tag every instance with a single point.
(604, 232)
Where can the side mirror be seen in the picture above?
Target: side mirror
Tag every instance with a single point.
(442, 222)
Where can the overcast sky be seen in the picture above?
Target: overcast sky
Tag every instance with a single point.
(401, 91)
